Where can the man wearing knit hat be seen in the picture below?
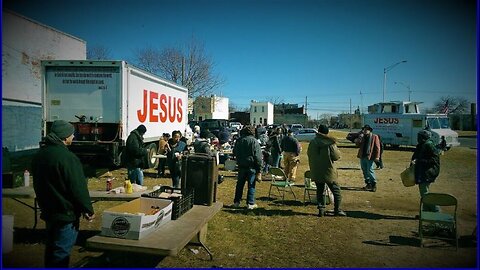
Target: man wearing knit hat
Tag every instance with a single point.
(322, 153)
(61, 192)
(135, 154)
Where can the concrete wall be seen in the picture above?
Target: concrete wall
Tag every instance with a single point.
(24, 44)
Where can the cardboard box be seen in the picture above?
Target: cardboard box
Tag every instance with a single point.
(137, 218)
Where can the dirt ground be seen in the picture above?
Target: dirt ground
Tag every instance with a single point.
(379, 231)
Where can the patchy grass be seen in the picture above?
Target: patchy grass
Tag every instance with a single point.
(380, 230)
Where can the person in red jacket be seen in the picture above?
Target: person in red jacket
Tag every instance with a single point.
(368, 153)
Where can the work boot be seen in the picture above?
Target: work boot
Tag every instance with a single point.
(368, 187)
(373, 187)
(321, 212)
(339, 213)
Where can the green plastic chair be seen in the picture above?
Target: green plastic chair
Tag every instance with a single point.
(448, 217)
(281, 182)
(310, 187)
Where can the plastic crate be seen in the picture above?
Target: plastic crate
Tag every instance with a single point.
(180, 204)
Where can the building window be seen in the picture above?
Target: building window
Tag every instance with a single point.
(263, 108)
(254, 120)
(260, 121)
(254, 108)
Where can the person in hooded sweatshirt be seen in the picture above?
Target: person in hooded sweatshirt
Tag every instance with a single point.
(62, 193)
(135, 155)
(322, 153)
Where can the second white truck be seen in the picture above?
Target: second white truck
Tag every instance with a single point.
(105, 101)
(398, 123)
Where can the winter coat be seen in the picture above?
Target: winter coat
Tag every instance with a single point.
(290, 145)
(274, 145)
(322, 153)
(135, 153)
(374, 151)
(202, 146)
(59, 183)
(427, 162)
(174, 163)
(248, 153)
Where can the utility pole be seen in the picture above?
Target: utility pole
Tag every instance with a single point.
(361, 102)
(350, 114)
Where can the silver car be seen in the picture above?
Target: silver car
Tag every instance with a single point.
(305, 134)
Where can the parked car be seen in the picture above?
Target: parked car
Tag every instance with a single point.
(295, 127)
(305, 134)
(352, 136)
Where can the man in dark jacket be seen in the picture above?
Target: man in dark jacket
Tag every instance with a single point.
(249, 160)
(368, 153)
(291, 150)
(62, 193)
(322, 153)
(201, 144)
(135, 154)
(427, 165)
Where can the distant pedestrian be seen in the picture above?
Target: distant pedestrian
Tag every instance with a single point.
(135, 155)
(175, 149)
(322, 153)
(427, 165)
(291, 151)
(161, 150)
(368, 152)
(61, 192)
(249, 160)
(275, 148)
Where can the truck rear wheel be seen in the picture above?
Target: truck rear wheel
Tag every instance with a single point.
(152, 150)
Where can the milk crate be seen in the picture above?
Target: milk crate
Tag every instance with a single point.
(180, 204)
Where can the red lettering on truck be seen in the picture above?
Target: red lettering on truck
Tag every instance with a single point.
(170, 108)
(386, 121)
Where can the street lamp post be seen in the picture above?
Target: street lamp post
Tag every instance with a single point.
(407, 86)
(385, 75)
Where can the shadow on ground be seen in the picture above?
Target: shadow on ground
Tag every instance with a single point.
(374, 216)
(119, 260)
(464, 241)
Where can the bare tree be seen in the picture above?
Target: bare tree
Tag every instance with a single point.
(98, 52)
(450, 104)
(190, 67)
(148, 59)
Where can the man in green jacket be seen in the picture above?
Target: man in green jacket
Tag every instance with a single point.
(427, 165)
(62, 193)
(322, 153)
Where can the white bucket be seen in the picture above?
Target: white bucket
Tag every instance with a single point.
(7, 233)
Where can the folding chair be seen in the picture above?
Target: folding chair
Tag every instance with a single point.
(448, 218)
(310, 186)
(280, 181)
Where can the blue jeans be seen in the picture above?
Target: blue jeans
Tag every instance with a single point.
(275, 159)
(60, 240)
(423, 188)
(367, 169)
(135, 175)
(176, 179)
(245, 175)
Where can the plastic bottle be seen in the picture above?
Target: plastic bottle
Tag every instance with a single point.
(109, 184)
(128, 187)
(26, 178)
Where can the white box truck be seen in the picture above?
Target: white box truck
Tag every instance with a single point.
(398, 123)
(105, 101)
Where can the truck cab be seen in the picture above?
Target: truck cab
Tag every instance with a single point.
(398, 122)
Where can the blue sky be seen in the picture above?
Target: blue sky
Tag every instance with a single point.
(324, 51)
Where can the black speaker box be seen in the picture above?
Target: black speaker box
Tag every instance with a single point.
(200, 173)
